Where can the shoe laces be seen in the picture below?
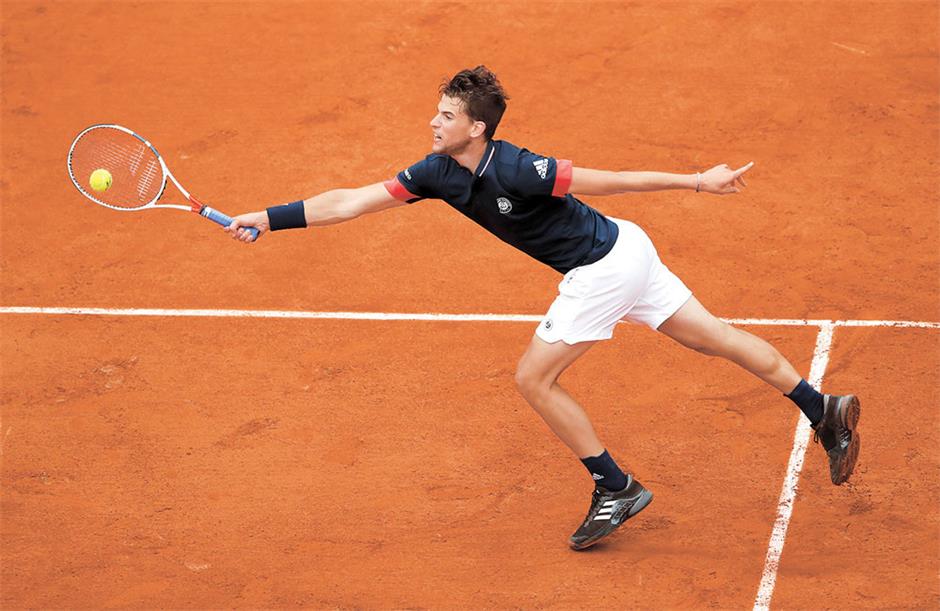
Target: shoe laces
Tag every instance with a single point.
(595, 505)
(840, 437)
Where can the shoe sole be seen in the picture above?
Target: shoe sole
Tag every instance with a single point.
(642, 501)
(850, 414)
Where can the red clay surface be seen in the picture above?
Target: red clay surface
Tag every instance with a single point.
(194, 463)
(888, 512)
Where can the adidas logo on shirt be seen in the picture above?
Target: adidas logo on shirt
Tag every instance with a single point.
(596, 477)
(541, 166)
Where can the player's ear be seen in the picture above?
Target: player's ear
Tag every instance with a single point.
(479, 127)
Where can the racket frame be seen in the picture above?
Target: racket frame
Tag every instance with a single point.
(195, 205)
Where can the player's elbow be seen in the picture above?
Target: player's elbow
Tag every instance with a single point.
(348, 205)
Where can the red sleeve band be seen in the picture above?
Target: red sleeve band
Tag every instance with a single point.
(398, 191)
(562, 177)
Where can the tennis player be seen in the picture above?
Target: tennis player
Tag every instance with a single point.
(611, 272)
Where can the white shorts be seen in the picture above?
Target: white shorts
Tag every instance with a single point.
(629, 282)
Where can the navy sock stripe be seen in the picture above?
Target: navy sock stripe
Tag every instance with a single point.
(809, 400)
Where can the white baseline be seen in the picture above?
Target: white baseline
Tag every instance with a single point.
(443, 317)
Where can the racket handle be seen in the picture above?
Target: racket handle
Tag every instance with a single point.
(224, 220)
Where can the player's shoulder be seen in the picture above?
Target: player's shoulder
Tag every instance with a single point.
(506, 151)
(434, 160)
(509, 154)
(432, 166)
(524, 173)
(516, 163)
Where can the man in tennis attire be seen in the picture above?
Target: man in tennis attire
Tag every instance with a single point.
(611, 272)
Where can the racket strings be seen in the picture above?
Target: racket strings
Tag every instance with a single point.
(136, 174)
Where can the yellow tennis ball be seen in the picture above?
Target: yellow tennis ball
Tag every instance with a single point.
(100, 180)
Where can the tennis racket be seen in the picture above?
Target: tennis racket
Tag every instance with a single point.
(138, 173)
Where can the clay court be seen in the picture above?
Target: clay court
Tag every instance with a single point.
(327, 418)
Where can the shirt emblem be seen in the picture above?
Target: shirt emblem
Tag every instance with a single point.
(408, 175)
(504, 205)
(541, 166)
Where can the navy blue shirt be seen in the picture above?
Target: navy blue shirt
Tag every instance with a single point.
(518, 196)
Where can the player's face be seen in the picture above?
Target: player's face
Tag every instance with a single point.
(453, 128)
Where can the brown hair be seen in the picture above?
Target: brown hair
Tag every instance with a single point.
(483, 97)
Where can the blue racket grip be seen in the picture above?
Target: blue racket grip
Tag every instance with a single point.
(224, 220)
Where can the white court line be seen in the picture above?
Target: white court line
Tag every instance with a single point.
(778, 535)
(852, 49)
(273, 314)
(217, 313)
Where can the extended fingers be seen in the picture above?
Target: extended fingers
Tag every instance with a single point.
(743, 169)
(739, 173)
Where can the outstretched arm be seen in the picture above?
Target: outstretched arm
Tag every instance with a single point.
(327, 208)
(721, 179)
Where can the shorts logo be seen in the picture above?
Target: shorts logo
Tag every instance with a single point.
(541, 166)
(408, 175)
(548, 324)
(505, 206)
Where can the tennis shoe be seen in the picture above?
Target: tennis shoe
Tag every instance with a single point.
(608, 511)
(836, 432)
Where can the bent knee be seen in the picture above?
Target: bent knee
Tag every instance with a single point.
(525, 380)
(530, 382)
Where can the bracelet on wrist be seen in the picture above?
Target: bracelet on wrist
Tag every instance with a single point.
(288, 216)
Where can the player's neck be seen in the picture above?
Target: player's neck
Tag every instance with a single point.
(471, 155)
